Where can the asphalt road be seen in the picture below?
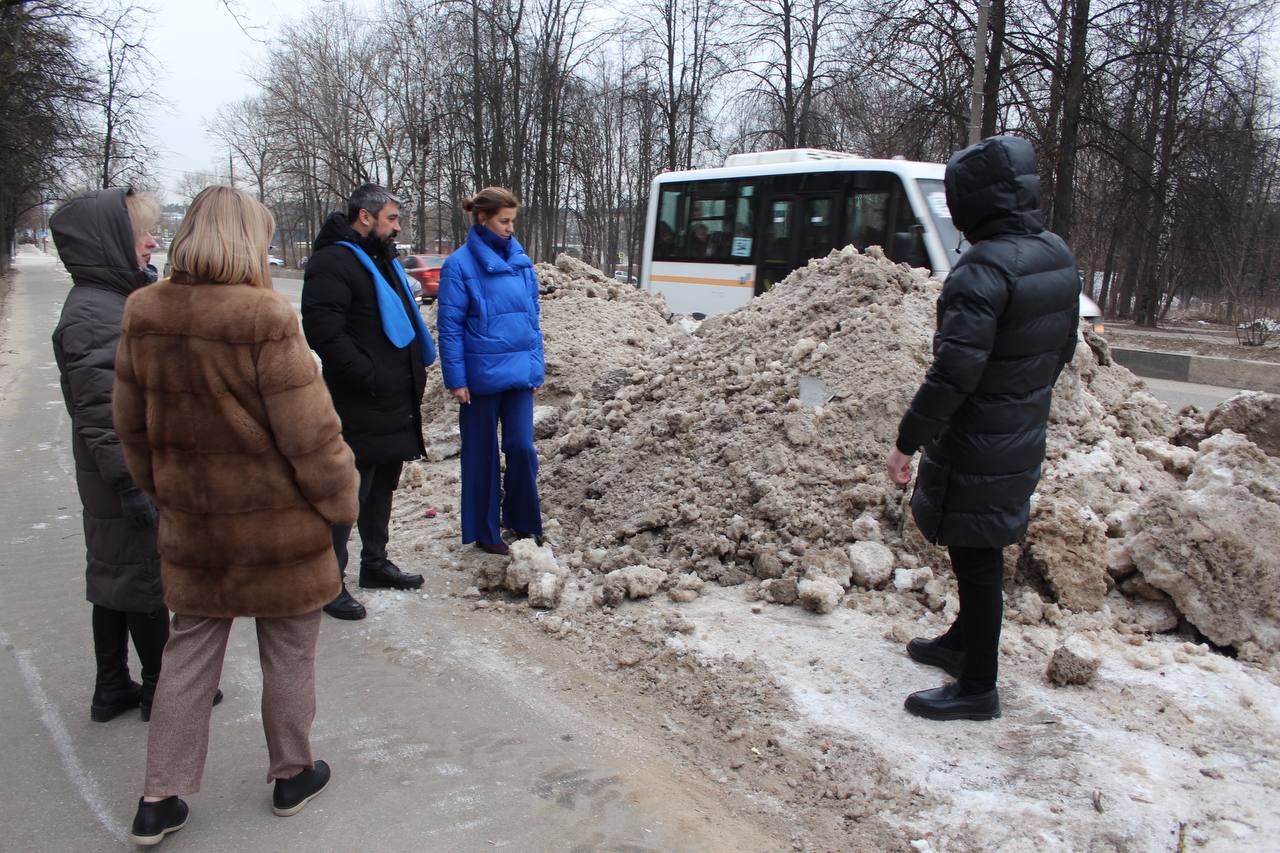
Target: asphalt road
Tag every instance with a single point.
(451, 748)
(1179, 394)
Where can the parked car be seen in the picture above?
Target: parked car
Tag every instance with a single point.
(272, 260)
(424, 275)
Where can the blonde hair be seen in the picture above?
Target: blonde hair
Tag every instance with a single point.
(489, 201)
(223, 239)
(144, 212)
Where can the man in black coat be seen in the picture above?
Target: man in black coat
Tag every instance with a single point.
(376, 385)
(1008, 322)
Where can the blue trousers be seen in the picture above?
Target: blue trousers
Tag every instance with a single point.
(483, 496)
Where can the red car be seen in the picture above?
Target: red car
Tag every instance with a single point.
(424, 273)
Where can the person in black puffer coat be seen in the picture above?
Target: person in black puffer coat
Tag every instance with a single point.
(103, 240)
(376, 385)
(1008, 321)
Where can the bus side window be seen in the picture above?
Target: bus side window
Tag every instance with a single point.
(670, 236)
(778, 236)
(906, 246)
(705, 221)
(866, 218)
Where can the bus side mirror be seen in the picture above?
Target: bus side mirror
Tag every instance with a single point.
(908, 247)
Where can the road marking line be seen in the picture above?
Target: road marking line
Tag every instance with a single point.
(85, 786)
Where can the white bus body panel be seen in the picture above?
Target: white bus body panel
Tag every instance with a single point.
(698, 288)
(706, 297)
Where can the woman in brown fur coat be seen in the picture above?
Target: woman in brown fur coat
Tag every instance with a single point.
(228, 428)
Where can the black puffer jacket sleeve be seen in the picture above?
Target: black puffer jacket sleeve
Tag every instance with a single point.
(969, 310)
(1068, 351)
(88, 349)
(326, 303)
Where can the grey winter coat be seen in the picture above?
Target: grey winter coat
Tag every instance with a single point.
(95, 241)
(1008, 319)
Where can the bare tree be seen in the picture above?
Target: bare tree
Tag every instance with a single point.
(123, 90)
(794, 63)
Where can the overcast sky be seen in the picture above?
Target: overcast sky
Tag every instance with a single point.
(206, 59)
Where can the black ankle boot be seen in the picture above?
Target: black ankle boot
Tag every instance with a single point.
(930, 653)
(111, 701)
(292, 794)
(950, 703)
(156, 820)
(384, 574)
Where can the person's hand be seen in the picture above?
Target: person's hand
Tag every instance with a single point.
(462, 395)
(138, 510)
(899, 467)
(536, 390)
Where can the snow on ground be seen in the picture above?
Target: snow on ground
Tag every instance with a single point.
(1128, 760)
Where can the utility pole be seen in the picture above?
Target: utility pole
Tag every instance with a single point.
(979, 73)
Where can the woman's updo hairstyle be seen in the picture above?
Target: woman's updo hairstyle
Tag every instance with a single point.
(489, 201)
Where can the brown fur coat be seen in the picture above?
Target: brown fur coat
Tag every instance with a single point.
(227, 426)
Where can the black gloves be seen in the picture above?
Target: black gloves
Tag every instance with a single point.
(139, 510)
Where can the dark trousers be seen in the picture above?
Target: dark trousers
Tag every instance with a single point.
(178, 740)
(377, 484)
(111, 632)
(484, 493)
(976, 631)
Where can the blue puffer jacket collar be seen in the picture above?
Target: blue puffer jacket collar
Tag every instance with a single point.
(489, 261)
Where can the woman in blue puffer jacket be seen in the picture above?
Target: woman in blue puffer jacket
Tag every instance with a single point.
(491, 357)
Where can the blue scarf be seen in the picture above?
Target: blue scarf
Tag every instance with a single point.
(500, 245)
(400, 326)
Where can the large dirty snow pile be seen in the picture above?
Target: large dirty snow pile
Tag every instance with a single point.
(753, 451)
(598, 335)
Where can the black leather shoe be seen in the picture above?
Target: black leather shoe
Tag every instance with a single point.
(929, 653)
(344, 606)
(156, 820)
(106, 705)
(385, 574)
(292, 794)
(520, 534)
(146, 705)
(499, 548)
(945, 703)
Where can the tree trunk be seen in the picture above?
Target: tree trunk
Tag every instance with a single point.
(1062, 216)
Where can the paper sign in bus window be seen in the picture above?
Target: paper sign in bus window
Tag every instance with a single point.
(741, 247)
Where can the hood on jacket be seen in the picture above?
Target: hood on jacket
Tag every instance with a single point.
(337, 228)
(993, 187)
(95, 241)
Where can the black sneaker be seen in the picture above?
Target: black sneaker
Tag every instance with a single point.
(947, 703)
(146, 705)
(156, 820)
(292, 794)
(384, 574)
(929, 653)
(344, 606)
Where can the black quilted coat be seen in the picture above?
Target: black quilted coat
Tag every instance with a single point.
(1008, 321)
(95, 242)
(376, 388)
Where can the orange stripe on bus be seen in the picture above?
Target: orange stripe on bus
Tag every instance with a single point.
(684, 279)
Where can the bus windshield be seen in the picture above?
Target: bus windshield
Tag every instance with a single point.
(935, 196)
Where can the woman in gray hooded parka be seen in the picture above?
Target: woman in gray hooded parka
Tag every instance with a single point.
(104, 240)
